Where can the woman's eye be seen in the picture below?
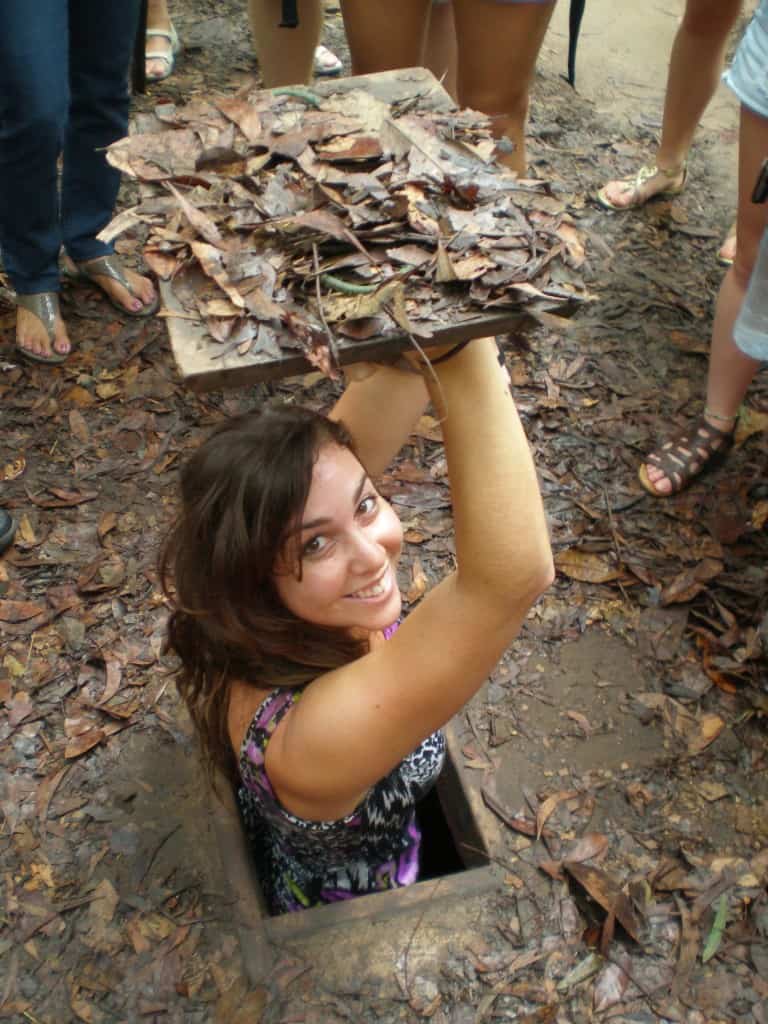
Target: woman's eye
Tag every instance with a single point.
(314, 546)
(367, 505)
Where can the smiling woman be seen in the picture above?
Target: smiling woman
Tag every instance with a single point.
(305, 688)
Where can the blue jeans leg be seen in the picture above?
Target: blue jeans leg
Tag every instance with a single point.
(101, 37)
(34, 98)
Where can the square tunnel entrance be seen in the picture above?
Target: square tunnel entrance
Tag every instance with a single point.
(459, 839)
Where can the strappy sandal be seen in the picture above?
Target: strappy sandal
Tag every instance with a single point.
(695, 450)
(169, 59)
(109, 266)
(730, 238)
(45, 306)
(634, 184)
(326, 63)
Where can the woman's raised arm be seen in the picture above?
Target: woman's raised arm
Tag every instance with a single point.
(353, 725)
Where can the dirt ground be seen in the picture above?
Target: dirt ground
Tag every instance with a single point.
(628, 722)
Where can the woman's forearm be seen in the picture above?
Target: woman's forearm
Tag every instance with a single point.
(380, 412)
(502, 543)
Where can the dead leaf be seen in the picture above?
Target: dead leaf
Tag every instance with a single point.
(751, 421)
(760, 515)
(687, 584)
(20, 611)
(591, 846)
(84, 742)
(62, 498)
(105, 573)
(26, 532)
(244, 114)
(202, 224)
(610, 986)
(444, 271)
(586, 566)
(239, 1005)
(20, 706)
(114, 677)
(107, 523)
(547, 806)
(78, 426)
(46, 791)
(14, 469)
(419, 582)
(605, 891)
(581, 720)
(698, 345)
(709, 727)
(350, 148)
(712, 791)
(574, 245)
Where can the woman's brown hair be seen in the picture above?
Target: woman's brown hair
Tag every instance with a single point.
(241, 492)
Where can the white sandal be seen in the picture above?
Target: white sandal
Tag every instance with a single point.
(327, 64)
(169, 59)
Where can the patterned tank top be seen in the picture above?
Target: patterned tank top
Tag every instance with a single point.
(305, 863)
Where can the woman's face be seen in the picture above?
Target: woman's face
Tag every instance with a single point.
(348, 544)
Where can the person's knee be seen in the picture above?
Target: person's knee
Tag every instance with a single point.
(511, 103)
(710, 20)
(41, 116)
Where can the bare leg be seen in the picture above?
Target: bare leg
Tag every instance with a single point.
(498, 47)
(695, 63)
(385, 34)
(284, 54)
(730, 371)
(440, 53)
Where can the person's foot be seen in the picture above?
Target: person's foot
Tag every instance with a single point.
(144, 293)
(139, 296)
(32, 335)
(698, 448)
(326, 63)
(160, 49)
(726, 254)
(636, 190)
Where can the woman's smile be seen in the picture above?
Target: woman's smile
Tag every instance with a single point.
(381, 589)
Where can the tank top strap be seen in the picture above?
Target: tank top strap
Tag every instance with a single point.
(266, 719)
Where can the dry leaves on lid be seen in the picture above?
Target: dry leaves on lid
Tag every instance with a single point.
(298, 182)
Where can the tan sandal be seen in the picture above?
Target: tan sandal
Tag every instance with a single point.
(168, 57)
(695, 450)
(45, 306)
(109, 266)
(634, 184)
(730, 239)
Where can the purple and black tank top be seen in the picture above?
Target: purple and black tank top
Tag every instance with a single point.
(303, 863)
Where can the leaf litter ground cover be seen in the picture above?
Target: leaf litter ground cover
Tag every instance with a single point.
(621, 744)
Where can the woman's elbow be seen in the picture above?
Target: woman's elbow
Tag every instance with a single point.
(542, 577)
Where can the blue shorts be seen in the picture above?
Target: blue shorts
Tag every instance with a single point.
(748, 75)
(751, 329)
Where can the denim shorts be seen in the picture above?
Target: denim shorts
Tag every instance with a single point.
(751, 329)
(748, 75)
